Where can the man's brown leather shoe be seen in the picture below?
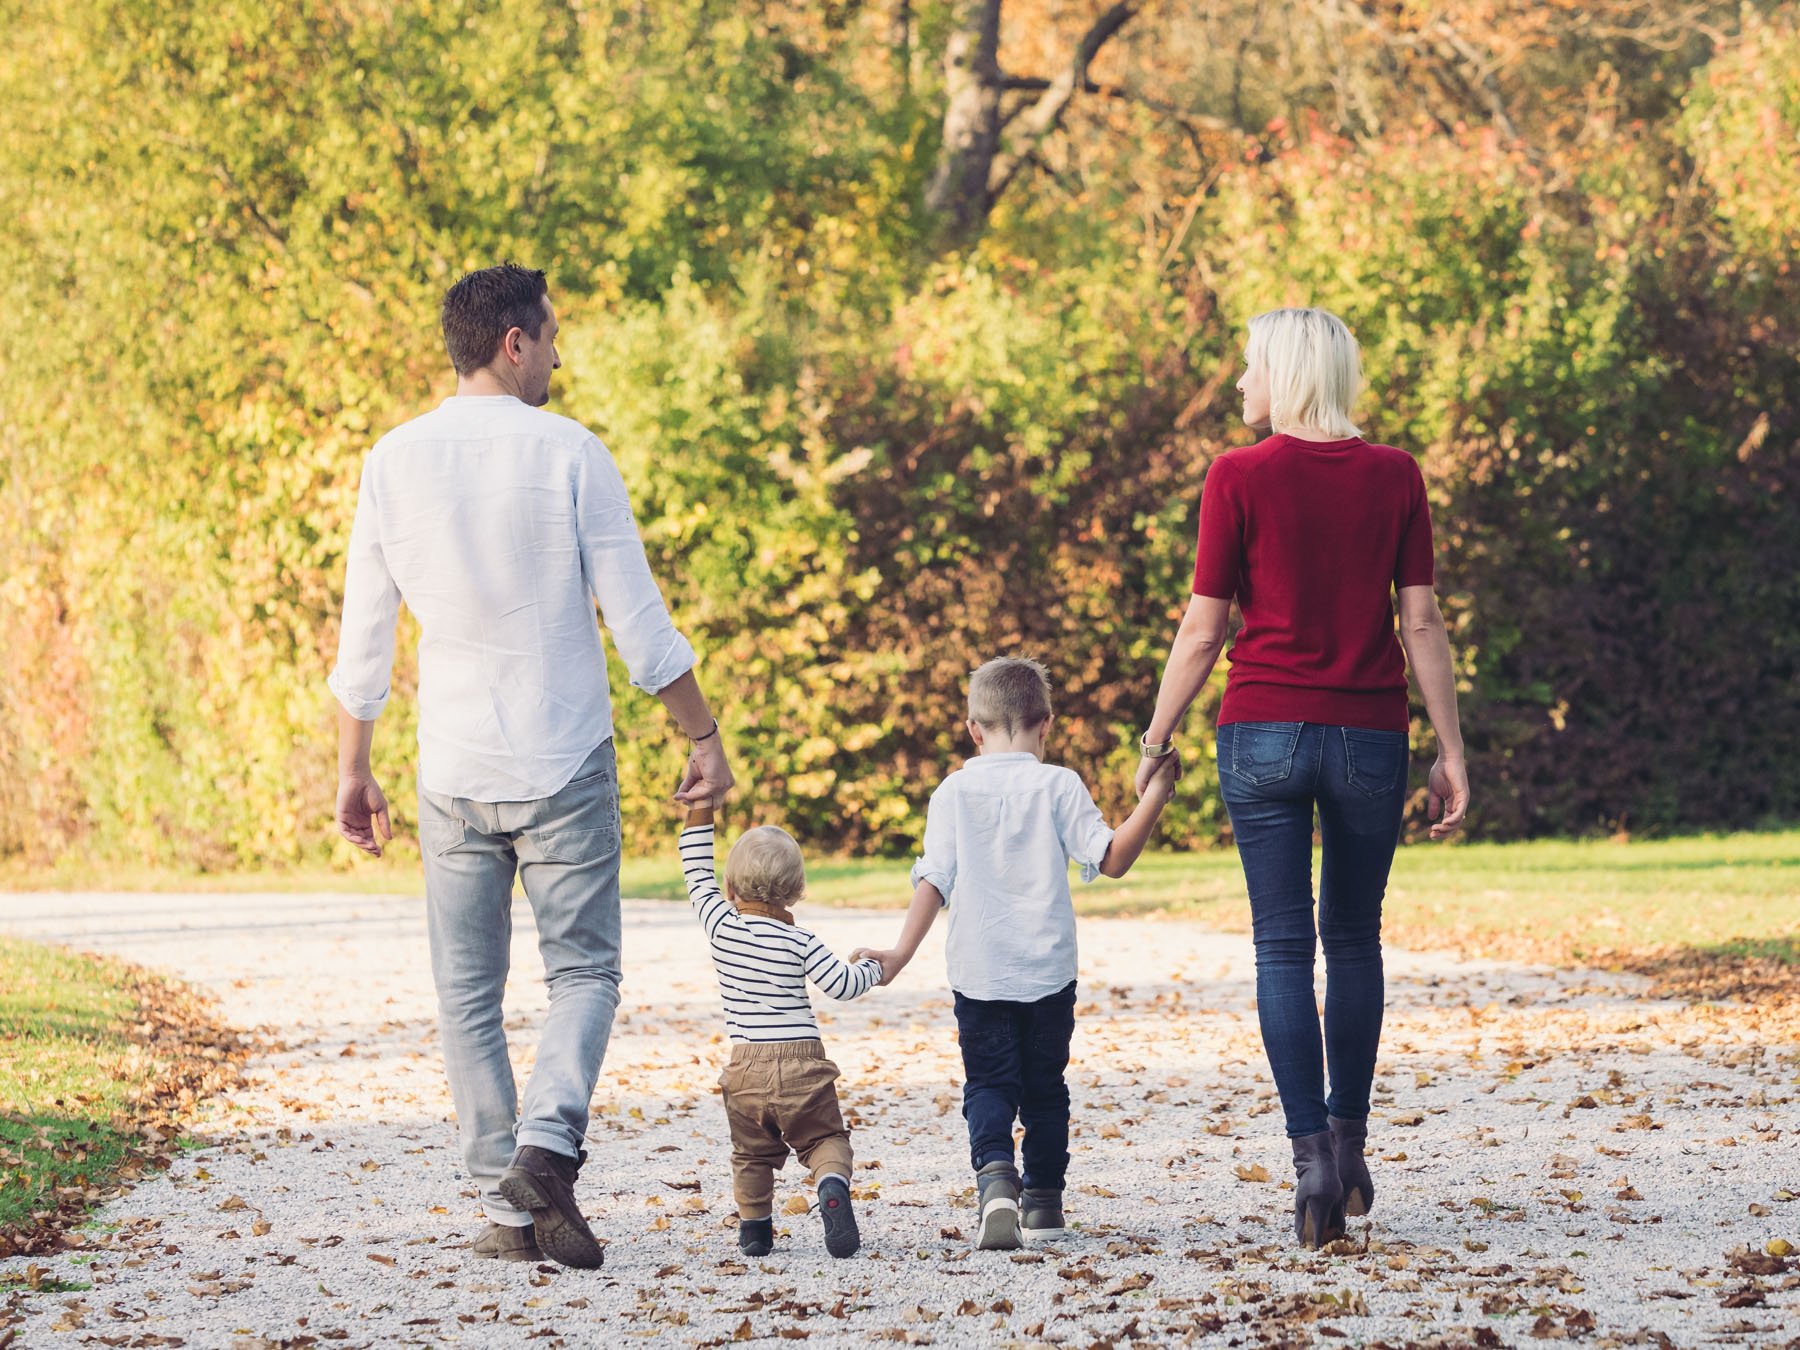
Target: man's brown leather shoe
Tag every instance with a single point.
(542, 1184)
(502, 1242)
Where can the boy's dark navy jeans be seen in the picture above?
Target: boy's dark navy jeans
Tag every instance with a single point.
(1014, 1055)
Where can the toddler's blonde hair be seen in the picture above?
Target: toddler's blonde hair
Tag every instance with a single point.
(765, 866)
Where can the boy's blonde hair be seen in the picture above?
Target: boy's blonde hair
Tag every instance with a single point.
(1010, 694)
(1315, 371)
(765, 866)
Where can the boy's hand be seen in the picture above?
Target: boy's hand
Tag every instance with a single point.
(890, 961)
(1161, 787)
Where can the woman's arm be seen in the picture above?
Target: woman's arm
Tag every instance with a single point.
(1191, 659)
(1427, 644)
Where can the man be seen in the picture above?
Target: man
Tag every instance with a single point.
(499, 525)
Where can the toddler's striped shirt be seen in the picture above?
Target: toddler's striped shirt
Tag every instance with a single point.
(762, 963)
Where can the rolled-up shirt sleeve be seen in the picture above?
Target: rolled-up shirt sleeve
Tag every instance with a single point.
(937, 863)
(618, 572)
(1085, 834)
(365, 659)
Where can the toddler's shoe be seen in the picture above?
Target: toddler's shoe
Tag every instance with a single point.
(756, 1237)
(997, 1192)
(1041, 1214)
(835, 1212)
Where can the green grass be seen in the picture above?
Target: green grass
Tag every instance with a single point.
(67, 1067)
(1731, 895)
(1737, 894)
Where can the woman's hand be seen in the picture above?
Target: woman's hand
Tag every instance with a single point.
(1448, 801)
(1149, 765)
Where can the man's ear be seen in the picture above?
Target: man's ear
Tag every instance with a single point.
(510, 344)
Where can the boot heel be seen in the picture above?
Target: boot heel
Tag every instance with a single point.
(1318, 1194)
(1355, 1204)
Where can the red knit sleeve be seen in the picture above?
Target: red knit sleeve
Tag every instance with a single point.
(1412, 560)
(1219, 558)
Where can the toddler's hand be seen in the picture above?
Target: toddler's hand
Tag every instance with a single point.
(889, 961)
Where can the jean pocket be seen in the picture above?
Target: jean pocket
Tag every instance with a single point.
(1375, 762)
(1263, 752)
(438, 837)
(579, 846)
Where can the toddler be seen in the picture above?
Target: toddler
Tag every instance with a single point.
(780, 1089)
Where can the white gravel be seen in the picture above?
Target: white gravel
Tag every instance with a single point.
(1504, 1210)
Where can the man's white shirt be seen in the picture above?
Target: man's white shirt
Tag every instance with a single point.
(999, 836)
(500, 525)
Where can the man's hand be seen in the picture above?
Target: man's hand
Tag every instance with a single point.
(708, 776)
(1149, 766)
(1447, 801)
(362, 813)
(892, 963)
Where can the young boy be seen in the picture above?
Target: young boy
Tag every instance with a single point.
(999, 836)
(779, 1086)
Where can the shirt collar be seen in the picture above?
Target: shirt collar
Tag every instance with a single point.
(998, 757)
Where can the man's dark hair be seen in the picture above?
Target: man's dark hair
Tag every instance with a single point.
(484, 306)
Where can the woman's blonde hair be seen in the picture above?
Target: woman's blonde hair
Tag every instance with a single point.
(1315, 371)
(765, 866)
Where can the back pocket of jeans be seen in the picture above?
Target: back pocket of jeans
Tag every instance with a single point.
(579, 846)
(1374, 761)
(1263, 752)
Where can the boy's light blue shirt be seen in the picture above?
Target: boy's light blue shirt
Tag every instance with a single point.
(999, 836)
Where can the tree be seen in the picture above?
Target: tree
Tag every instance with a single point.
(984, 145)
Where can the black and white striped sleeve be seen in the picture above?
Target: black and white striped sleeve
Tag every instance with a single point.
(708, 900)
(836, 977)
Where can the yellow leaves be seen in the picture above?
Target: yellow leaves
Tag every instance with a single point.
(796, 1204)
(1251, 1172)
(1779, 1247)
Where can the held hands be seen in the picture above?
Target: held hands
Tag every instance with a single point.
(362, 813)
(1447, 802)
(892, 963)
(1152, 767)
(708, 777)
(1160, 788)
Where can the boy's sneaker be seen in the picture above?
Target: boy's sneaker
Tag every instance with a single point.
(756, 1237)
(997, 1192)
(1041, 1214)
(835, 1212)
(542, 1183)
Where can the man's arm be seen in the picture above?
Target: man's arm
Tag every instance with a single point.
(360, 679)
(362, 809)
(708, 777)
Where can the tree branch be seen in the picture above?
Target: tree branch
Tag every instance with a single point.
(1043, 116)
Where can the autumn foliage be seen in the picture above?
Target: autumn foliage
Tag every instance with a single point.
(865, 460)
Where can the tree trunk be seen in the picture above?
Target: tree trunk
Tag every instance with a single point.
(983, 149)
(972, 84)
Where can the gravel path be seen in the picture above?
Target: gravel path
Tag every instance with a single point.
(1559, 1158)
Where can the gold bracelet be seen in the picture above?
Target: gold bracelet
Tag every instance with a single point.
(1159, 751)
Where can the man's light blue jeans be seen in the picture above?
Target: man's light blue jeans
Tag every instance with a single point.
(565, 850)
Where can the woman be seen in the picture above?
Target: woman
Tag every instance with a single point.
(1311, 531)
